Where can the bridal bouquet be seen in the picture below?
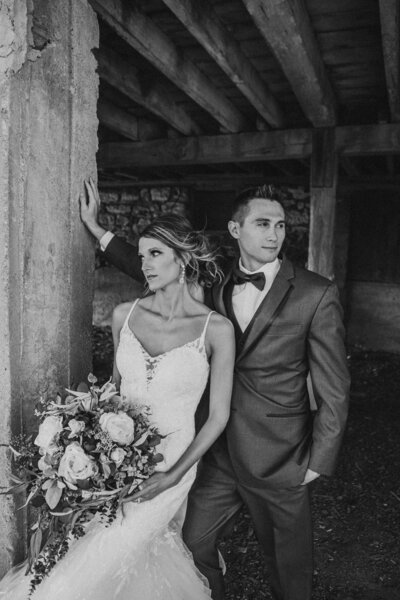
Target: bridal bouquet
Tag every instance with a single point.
(91, 452)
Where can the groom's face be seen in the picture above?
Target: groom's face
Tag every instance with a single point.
(260, 232)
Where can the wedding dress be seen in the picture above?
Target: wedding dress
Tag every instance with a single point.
(141, 555)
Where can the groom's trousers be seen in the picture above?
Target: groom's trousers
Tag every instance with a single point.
(282, 523)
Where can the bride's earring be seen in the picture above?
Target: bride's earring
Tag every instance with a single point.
(182, 274)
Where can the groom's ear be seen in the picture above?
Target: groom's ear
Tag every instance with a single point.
(234, 229)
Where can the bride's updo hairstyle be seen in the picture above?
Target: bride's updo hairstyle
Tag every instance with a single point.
(192, 247)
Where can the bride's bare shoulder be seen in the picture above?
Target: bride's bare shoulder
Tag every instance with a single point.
(120, 313)
(220, 325)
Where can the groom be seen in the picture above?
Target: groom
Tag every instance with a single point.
(288, 326)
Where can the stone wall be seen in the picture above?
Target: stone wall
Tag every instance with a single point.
(128, 211)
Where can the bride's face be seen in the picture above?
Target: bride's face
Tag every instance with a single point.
(159, 263)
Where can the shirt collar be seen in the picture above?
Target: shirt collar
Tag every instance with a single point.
(268, 269)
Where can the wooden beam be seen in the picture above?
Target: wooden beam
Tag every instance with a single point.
(117, 119)
(152, 130)
(349, 167)
(324, 168)
(241, 147)
(287, 29)
(204, 24)
(363, 140)
(390, 27)
(368, 140)
(145, 37)
(226, 181)
(233, 182)
(118, 73)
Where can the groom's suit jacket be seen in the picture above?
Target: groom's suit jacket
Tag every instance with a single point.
(273, 436)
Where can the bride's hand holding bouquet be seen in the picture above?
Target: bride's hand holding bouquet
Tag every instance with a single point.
(91, 452)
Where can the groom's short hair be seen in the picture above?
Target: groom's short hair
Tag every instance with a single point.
(241, 202)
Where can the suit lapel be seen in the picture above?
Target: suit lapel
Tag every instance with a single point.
(268, 309)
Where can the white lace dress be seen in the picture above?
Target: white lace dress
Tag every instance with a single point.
(141, 555)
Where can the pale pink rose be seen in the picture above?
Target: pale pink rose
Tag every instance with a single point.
(76, 427)
(119, 426)
(117, 455)
(48, 432)
(75, 465)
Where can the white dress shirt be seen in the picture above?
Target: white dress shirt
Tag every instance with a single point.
(246, 297)
(105, 240)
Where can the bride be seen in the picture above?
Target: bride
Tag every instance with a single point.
(166, 344)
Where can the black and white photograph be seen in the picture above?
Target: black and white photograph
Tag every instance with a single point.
(200, 299)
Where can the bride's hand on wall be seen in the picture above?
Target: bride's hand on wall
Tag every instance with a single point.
(89, 201)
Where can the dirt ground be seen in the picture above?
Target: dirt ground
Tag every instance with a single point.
(356, 512)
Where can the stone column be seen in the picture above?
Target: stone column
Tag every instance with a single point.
(48, 129)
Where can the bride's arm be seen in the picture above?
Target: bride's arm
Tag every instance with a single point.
(221, 340)
(120, 313)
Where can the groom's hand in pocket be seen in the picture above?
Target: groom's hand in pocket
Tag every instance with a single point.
(310, 476)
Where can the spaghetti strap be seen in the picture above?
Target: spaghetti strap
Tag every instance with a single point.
(203, 335)
(129, 313)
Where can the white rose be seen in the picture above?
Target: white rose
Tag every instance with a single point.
(117, 455)
(52, 449)
(76, 427)
(45, 466)
(76, 465)
(119, 426)
(48, 431)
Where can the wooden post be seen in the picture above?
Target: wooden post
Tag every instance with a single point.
(324, 168)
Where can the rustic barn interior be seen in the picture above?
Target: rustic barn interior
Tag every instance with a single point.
(190, 100)
(222, 95)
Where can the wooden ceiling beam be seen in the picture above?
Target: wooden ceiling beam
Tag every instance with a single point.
(287, 29)
(241, 147)
(145, 37)
(390, 28)
(234, 183)
(349, 166)
(204, 24)
(362, 140)
(119, 74)
(117, 119)
(229, 181)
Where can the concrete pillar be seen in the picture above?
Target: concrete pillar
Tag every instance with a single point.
(48, 130)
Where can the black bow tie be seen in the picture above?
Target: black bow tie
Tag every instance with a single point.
(257, 279)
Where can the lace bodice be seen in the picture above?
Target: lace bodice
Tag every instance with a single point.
(170, 384)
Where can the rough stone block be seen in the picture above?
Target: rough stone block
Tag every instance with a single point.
(118, 209)
(129, 197)
(108, 197)
(160, 194)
